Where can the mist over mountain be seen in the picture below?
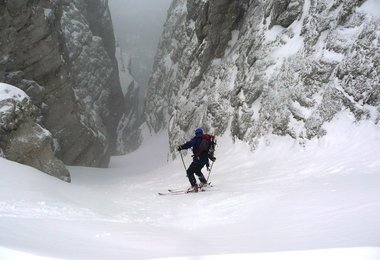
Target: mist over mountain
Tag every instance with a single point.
(138, 26)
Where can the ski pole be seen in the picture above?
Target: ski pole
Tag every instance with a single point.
(209, 172)
(212, 164)
(183, 162)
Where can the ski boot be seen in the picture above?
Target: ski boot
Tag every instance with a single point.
(203, 185)
(192, 189)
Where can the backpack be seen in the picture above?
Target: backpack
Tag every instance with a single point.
(206, 146)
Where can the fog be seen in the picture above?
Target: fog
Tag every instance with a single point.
(138, 25)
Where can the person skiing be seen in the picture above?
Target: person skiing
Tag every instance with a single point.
(200, 159)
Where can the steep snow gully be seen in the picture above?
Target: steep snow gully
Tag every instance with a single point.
(319, 201)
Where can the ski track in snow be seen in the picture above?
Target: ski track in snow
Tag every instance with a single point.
(284, 198)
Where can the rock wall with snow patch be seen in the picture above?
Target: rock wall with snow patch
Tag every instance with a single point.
(62, 54)
(258, 68)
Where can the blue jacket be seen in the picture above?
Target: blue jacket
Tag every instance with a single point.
(194, 143)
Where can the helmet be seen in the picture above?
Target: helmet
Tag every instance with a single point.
(198, 132)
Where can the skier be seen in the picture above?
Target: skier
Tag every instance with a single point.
(200, 159)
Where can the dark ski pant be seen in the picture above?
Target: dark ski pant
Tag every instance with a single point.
(195, 168)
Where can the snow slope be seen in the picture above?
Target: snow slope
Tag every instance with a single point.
(320, 201)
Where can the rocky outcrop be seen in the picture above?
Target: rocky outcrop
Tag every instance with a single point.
(284, 12)
(282, 67)
(98, 17)
(62, 54)
(22, 139)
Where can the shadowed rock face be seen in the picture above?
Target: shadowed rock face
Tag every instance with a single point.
(257, 68)
(61, 53)
(31, 145)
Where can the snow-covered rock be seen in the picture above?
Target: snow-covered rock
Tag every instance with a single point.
(257, 68)
(62, 54)
(22, 139)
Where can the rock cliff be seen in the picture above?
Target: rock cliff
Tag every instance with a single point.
(261, 68)
(62, 54)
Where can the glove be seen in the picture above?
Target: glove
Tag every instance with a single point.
(179, 148)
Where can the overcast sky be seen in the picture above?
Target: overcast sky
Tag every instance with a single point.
(138, 26)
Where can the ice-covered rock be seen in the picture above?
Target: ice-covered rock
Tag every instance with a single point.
(257, 68)
(21, 138)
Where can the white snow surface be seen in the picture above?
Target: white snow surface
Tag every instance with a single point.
(11, 92)
(126, 78)
(371, 7)
(319, 201)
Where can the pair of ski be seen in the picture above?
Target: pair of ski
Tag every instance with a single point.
(179, 192)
